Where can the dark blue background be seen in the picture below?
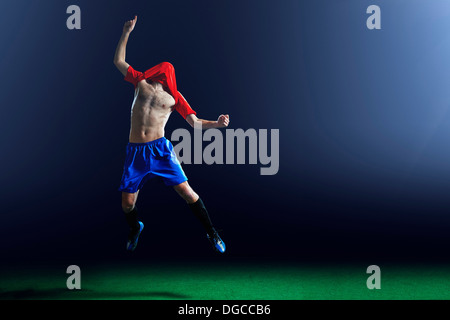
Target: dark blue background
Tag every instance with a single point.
(363, 119)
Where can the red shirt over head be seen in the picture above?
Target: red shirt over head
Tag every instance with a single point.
(163, 73)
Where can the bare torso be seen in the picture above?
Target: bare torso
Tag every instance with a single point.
(151, 109)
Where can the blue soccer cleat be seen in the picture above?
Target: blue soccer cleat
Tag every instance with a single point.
(133, 238)
(217, 242)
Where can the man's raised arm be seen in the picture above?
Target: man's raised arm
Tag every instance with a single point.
(119, 57)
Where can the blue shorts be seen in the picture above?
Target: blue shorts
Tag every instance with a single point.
(151, 159)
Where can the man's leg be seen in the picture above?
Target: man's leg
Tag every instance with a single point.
(131, 215)
(196, 204)
(129, 208)
(198, 208)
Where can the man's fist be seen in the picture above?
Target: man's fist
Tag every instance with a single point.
(223, 120)
(129, 25)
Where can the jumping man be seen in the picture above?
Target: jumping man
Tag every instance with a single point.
(149, 154)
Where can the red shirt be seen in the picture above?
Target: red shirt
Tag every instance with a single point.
(163, 73)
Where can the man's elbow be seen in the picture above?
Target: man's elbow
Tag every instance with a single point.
(119, 61)
(193, 124)
(191, 120)
(121, 65)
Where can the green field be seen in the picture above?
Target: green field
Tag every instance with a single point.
(211, 281)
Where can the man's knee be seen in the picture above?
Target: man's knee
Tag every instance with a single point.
(128, 202)
(126, 207)
(191, 197)
(186, 192)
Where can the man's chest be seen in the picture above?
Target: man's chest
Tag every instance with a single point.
(153, 97)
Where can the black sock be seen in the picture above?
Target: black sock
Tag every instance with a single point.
(199, 210)
(132, 219)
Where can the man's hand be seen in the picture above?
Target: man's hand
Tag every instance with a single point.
(223, 120)
(129, 25)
